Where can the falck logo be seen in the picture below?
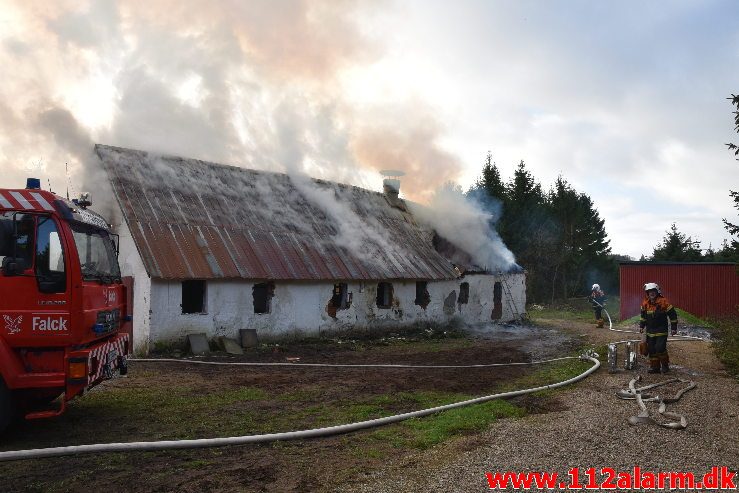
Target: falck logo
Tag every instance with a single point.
(13, 325)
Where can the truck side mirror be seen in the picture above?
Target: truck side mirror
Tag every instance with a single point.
(13, 266)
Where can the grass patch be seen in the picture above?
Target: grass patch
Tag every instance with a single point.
(726, 345)
(421, 433)
(579, 309)
(725, 331)
(197, 464)
(432, 430)
(573, 309)
(159, 405)
(690, 319)
(549, 373)
(360, 338)
(150, 401)
(305, 394)
(183, 411)
(602, 351)
(560, 313)
(683, 317)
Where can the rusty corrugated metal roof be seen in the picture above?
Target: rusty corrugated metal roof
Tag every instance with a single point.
(195, 219)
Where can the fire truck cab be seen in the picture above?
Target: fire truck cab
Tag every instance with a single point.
(62, 302)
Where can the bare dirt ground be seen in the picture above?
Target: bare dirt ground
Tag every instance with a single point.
(171, 401)
(584, 425)
(589, 430)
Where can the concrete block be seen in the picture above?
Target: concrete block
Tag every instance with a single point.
(248, 338)
(230, 345)
(198, 343)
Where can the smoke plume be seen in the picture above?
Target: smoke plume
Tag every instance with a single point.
(253, 83)
(462, 221)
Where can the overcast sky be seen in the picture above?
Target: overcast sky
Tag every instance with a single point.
(627, 100)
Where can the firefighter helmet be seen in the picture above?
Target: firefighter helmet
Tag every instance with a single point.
(652, 285)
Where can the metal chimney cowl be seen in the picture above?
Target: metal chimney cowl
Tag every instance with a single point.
(391, 187)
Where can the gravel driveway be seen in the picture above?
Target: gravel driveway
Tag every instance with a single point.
(590, 430)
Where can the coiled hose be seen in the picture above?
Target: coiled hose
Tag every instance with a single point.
(679, 422)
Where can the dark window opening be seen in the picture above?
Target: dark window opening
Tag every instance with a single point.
(464, 293)
(263, 293)
(384, 295)
(193, 297)
(422, 294)
(497, 301)
(341, 299)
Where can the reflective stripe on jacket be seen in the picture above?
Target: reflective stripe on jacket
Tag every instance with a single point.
(657, 316)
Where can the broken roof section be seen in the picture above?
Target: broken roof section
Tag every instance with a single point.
(195, 219)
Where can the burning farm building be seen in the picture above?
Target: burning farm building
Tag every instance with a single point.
(214, 249)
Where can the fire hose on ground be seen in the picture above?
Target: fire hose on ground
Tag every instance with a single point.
(630, 361)
(303, 434)
(636, 393)
(643, 416)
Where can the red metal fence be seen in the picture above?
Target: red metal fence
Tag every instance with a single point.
(703, 289)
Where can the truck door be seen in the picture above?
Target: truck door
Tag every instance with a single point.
(34, 303)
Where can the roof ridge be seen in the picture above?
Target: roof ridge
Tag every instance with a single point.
(237, 168)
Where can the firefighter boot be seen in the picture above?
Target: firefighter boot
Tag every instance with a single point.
(665, 361)
(653, 365)
(600, 323)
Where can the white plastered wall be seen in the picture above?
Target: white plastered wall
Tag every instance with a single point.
(131, 265)
(302, 307)
(129, 259)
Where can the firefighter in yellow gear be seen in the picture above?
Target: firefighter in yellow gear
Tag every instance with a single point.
(657, 315)
(597, 298)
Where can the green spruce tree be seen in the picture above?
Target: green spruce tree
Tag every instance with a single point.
(677, 247)
(581, 243)
(732, 228)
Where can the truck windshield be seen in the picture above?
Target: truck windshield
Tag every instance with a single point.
(96, 253)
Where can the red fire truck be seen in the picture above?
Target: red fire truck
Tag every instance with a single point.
(62, 302)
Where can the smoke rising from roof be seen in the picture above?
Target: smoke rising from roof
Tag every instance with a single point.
(412, 147)
(462, 221)
(254, 83)
(316, 225)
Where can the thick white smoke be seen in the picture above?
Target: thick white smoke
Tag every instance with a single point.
(464, 222)
(253, 83)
